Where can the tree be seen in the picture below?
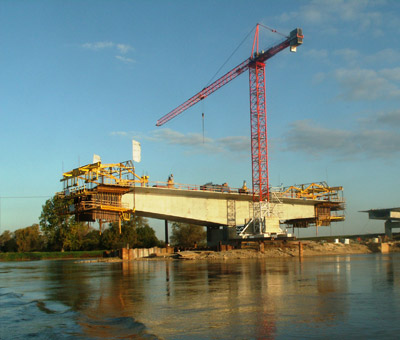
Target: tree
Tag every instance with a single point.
(55, 226)
(75, 239)
(136, 233)
(92, 240)
(7, 242)
(188, 235)
(146, 237)
(29, 239)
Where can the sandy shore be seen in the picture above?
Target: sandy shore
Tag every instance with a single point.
(288, 250)
(310, 248)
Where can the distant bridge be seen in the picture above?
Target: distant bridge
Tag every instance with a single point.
(391, 216)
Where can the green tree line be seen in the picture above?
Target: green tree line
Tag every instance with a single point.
(57, 232)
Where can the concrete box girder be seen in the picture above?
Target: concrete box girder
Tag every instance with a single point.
(209, 208)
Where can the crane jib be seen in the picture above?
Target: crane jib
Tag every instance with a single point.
(232, 74)
(295, 39)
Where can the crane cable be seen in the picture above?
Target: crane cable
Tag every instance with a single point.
(274, 30)
(235, 50)
(213, 77)
(226, 61)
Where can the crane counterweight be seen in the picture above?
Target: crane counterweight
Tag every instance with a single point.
(296, 39)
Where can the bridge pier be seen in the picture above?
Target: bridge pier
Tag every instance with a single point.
(166, 233)
(214, 236)
(389, 224)
(391, 216)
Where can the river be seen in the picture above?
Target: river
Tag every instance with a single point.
(328, 297)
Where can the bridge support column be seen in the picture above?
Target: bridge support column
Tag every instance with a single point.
(166, 233)
(389, 224)
(214, 236)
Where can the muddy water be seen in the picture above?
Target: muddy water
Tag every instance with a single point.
(343, 296)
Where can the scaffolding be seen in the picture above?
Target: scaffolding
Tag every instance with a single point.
(314, 191)
(329, 208)
(94, 192)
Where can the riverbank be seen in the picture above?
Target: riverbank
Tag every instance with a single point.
(309, 249)
(281, 250)
(53, 255)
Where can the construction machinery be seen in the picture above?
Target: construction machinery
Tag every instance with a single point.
(258, 113)
(93, 192)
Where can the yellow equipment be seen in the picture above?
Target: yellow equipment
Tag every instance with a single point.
(94, 191)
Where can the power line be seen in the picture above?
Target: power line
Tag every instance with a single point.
(1, 197)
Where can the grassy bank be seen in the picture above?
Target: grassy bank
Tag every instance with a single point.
(50, 255)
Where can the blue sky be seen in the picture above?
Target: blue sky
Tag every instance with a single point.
(84, 77)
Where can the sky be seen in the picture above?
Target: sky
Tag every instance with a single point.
(85, 77)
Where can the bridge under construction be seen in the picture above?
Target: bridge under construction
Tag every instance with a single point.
(113, 192)
(107, 193)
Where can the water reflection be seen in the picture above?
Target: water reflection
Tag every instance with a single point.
(243, 299)
(178, 298)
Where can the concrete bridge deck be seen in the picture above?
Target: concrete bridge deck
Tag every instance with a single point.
(113, 192)
(210, 208)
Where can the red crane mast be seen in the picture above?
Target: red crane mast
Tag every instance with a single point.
(258, 112)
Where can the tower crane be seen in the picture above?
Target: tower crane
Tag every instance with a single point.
(258, 112)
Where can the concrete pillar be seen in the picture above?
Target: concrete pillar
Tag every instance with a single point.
(214, 236)
(388, 228)
(166, 233)
(389, 224)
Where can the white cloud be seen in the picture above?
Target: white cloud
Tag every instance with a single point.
(327, 13)
(317, 54)
(172, 137)
(235, 143)
(391, 74)
(367, 84)
(193, 141)
(123, 48)
(125, 59)
(98, 45)
(389, 119)
(310, 138)
(348, 54)
(355, 58)
(119, 133)
(306, 136)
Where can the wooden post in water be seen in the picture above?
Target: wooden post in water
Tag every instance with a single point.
(300, 249)
(261, 247)
(384, 248)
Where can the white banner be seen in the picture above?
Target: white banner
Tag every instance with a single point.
(96, 158)
(136, 151)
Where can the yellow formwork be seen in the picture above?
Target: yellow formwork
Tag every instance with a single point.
(94, 191)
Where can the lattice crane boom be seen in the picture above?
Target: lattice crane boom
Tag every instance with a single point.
(258, 114)
(293, 40)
